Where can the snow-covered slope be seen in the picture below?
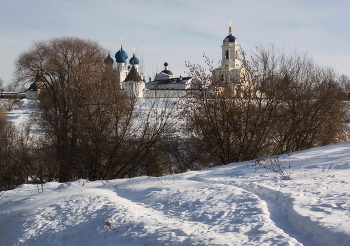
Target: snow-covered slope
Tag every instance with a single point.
(226, 205)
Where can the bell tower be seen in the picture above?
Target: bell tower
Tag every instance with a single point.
(230, 71)
(230, 51)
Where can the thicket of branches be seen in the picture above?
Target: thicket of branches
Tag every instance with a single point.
(91, 127)
(16, 162)
(290, 104)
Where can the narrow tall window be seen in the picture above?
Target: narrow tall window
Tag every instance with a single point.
(226, 56)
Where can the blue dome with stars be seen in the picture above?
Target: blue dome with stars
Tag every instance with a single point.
(134, 60)
(121, 56)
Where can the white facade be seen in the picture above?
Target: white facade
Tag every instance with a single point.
(230, 71)
(176, 83)
(166, 93)
(32, 95)
(134, 88)
(163, 76)
(230, 54)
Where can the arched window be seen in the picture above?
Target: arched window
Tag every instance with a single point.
(226, 55)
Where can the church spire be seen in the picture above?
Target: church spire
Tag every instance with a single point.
(133, 75)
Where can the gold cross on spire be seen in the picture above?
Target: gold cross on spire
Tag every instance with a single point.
(230, 28)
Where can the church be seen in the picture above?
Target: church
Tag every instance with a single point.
(230, 73)
(133, 82)
(165, 83)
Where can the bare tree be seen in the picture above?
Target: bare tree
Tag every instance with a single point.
(312, 108)
(65, 66)
(95, 129)
(290, 104)
(344, 82)
(120, 135)
(7, 144)
(13, 156)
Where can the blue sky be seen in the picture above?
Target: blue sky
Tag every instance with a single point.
(180, 30)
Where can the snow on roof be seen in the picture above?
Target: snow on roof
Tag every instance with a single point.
(171, 81)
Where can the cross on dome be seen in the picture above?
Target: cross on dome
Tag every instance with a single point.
(230, 38)
(121, 55)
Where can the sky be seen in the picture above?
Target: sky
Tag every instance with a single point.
(181, 30)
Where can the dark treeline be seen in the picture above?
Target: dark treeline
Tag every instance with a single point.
(92, 130)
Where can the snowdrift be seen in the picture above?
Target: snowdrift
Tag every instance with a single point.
(226, 205)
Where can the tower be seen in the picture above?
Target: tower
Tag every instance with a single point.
(120, 59)
(133, 84)
(230, 71)
(121, 69)
(230, 50)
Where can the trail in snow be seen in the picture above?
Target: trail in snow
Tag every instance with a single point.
(237, 216)
(283, 215)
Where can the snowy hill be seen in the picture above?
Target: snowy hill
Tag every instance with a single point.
(226, 205)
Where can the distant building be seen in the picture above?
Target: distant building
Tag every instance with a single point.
(34, 89)
(133, 84)
(230, 73)
(166, 80)
(121, 69)
(165, 83)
